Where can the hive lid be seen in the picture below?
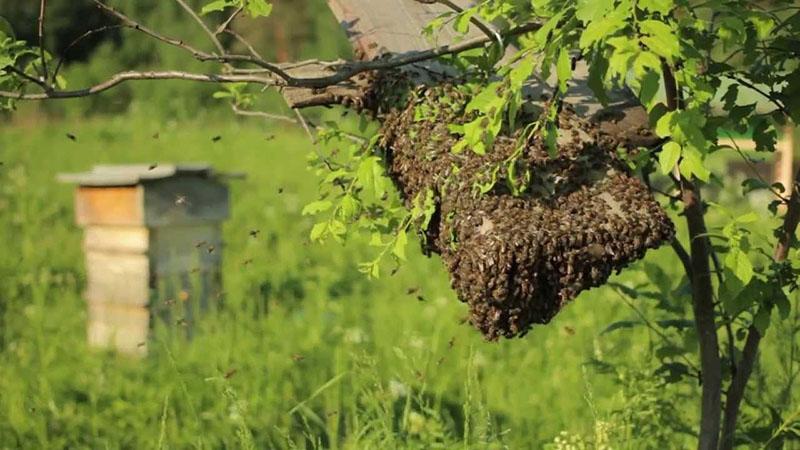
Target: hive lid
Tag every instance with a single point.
(132, 174)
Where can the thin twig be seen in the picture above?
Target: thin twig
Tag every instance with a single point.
(655, 329)
(269, 116)
(752, 167)
(76, 41)
(32, 79)
(244, 42)
(765, 94)
(203, 25)
(197, 54)
(42, 10)
(224, 25)
(304, 123)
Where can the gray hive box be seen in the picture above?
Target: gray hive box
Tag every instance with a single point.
(152, 240)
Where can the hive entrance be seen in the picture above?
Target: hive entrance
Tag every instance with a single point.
(518, 259)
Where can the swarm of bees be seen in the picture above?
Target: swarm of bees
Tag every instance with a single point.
(518, 258)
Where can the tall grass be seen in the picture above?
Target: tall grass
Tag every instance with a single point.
(305, 352)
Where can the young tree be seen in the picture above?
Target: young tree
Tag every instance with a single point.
(697, 68)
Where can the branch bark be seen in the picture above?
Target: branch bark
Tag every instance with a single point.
(703, 305)
(735, 392)
(129, 76)
(702, 293)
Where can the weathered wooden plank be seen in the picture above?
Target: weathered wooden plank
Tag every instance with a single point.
(111, 239)
(378, 27)
(394, 27)
(118, 278)
(185, 248)
(123, 327)
(184, 201)
(118, 205)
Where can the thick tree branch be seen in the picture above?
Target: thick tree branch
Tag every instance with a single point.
(703, 305)
(702, 293)
(735, 392)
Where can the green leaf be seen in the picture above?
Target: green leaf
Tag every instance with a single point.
(563, 69)
(660, 38)
(349, 207)
(662, 7)
(591, 10)
(669, 156)
(649, 87)
(761, 320)
(258, 8)
(216, 5)
(317, 207)
(318, 231)
(521, 72)
(737, 261)
(461, 24)
(692, 164)
(599, 30)
(370, 176)
(399, 248)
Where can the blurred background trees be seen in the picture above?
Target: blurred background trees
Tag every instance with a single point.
(297, 29)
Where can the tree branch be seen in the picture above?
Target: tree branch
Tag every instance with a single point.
(42, 10)
(702, 293)
(203, 25)
(122, 77)
(75, 42)
(249, 113)
(224, 25)
(735, 392)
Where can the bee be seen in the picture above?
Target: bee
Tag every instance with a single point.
(181, 200)
(72, 137)
(254, 233)
(216, 138)
(152, 166)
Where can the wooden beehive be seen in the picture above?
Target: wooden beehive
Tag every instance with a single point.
(153, 247)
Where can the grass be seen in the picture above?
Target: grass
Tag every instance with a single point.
(306, 352)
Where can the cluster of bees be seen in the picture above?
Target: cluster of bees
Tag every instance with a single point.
(518, 259)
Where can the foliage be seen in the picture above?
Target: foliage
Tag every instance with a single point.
(389, 361)
(701, 71)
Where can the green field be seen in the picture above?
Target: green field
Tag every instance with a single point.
(306, 352)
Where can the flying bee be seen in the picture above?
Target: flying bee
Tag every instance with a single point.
(181, 200)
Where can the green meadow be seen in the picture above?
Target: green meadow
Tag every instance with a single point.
(305, 351)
